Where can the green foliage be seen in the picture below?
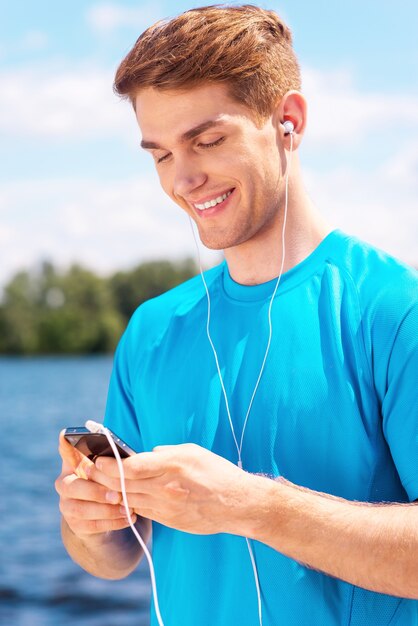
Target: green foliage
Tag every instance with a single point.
(48, 312)
(17, 317)
(146, 281)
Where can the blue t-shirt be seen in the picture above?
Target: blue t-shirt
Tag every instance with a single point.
(336, 411)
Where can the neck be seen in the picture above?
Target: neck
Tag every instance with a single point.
(259, 260)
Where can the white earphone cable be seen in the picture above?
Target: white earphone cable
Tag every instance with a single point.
(239, 447)
(105, 431)
(142, 543)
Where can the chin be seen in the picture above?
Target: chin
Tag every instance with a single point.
(221, 242)
(211, 245)
(215, 243)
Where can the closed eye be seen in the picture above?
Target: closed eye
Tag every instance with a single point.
(211, 144)
(163, 158)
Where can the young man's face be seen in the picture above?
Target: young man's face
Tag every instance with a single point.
(213, 161)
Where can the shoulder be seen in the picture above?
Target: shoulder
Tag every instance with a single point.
(178, 300)
(383, 290)
(380, 279)
(153, 316)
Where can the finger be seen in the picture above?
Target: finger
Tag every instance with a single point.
(66, 469)
(149, 514)
(68, 452)
(114, 484)
(159, 487)
(73, 458)
(79, 509)
(90, 527)
(165, 496)
(72, 487)
(137, 466)
(136, 485)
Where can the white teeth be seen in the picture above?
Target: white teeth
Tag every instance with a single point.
(214, 202)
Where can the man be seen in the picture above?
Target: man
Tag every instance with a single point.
(331, 415)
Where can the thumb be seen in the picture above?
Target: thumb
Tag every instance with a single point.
(74, 461)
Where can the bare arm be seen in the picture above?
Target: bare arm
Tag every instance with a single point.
(191, 489)
(114, 554)
(374, 546)
(95, 530)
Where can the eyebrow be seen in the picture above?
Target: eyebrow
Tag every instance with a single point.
(187, 136)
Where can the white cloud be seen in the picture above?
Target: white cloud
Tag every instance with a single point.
(6, 236)
(78, 102)
(105, 225)
(339, 113)
(378, 206)
(108, 16)
(111, 224)
(402, 169)
(47, 102)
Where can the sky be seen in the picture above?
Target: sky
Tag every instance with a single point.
(76, 187)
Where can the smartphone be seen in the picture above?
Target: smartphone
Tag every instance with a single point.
(93, 445)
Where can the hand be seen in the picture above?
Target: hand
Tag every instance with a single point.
(185, 487)
(88, 507)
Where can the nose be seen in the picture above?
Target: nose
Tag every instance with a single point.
(188, 176)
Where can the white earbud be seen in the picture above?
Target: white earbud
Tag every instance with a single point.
(94, 427)
(288, 127)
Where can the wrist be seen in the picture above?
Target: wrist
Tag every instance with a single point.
(260, 507)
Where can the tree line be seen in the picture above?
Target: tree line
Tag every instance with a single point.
(46, 311)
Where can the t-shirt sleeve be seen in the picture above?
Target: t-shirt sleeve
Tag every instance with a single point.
(399, 376)
(120, 414)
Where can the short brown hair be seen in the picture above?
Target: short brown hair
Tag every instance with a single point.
(244, 46)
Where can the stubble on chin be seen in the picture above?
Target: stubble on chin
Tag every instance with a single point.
(219, 240)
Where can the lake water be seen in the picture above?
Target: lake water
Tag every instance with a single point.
(39, 584)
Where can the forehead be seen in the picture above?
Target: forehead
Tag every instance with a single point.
(163, 114)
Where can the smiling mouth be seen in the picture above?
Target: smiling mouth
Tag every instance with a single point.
(212, 203)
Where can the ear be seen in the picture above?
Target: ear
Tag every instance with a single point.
(292, 107)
